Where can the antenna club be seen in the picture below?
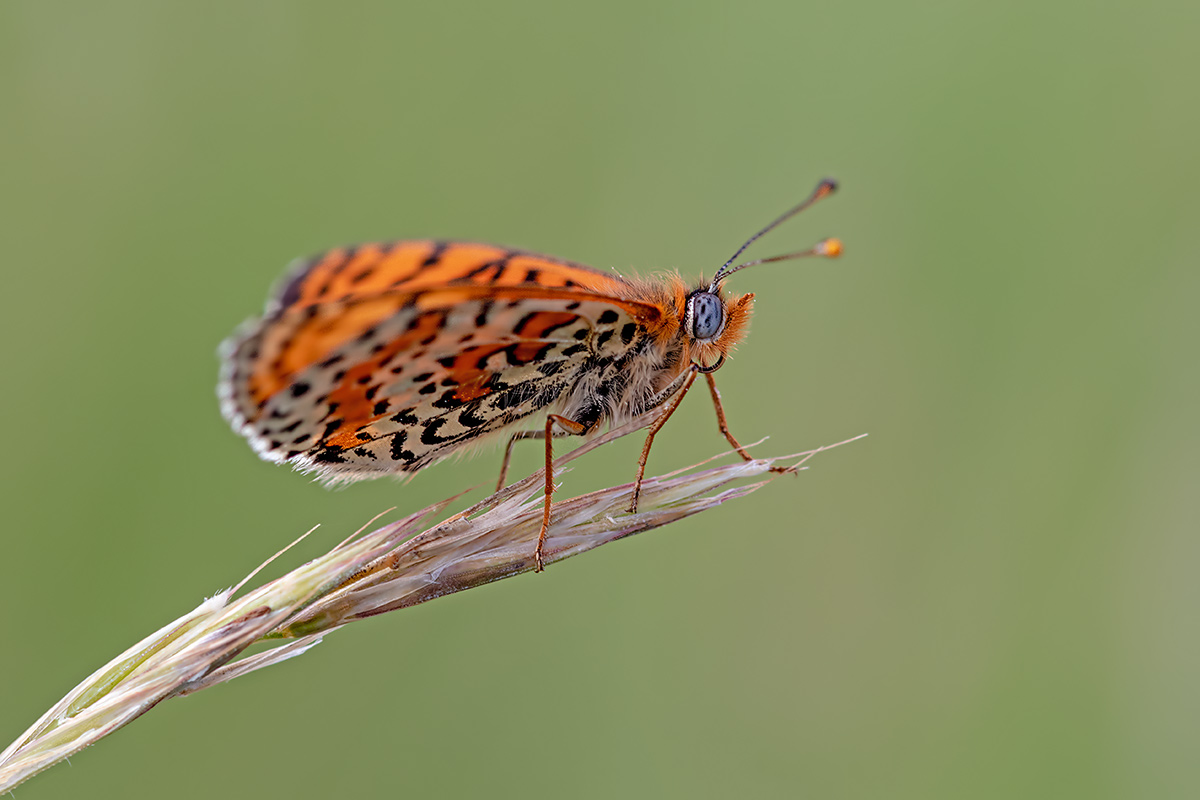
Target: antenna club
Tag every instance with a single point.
(827, 186)
(830, 248)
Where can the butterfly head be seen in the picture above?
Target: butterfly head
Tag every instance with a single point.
(712, 324)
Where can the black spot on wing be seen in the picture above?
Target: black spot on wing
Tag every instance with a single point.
(486, 272)
(469, 419)
(448, 400)
(398, 452)
(329, 455)
(430, 434)
(405, 417)
(484, 310)
(525, 321)
(435, 255)
(481, 362)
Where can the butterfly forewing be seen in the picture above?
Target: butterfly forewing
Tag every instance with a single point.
(376, 269)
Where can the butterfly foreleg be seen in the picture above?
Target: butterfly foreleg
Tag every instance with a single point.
(569, 427)
(724, 426)
(655, 427)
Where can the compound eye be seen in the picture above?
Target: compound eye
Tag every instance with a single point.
(708, 315)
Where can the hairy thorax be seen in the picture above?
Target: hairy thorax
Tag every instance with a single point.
(620, 388)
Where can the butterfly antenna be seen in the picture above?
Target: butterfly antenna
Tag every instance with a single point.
(828, 247)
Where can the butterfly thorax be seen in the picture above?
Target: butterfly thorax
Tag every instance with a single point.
(641, 371)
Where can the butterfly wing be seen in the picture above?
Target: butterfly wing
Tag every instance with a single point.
(387, 358)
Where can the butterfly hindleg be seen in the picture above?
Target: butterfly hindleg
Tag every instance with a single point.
(724, 426)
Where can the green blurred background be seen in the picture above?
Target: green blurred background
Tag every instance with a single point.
(992, 596)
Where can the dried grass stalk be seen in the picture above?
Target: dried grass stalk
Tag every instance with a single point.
(392, 567)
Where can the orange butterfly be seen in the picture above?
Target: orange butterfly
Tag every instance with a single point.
(386, 358)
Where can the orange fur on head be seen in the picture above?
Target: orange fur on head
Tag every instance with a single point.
(669, 293)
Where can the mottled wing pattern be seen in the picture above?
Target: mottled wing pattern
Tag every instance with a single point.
(387, 358)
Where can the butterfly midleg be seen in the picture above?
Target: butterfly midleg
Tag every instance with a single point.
(724, 426)
(572, 428)
(655, 428)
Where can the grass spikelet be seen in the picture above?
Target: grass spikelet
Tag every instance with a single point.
(395, 566)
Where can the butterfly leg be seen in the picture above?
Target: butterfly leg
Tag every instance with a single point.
(517, 437)
(654, 429)
(572, 428)
(724, 426)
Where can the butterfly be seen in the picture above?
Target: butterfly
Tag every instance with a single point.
(386, 358)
